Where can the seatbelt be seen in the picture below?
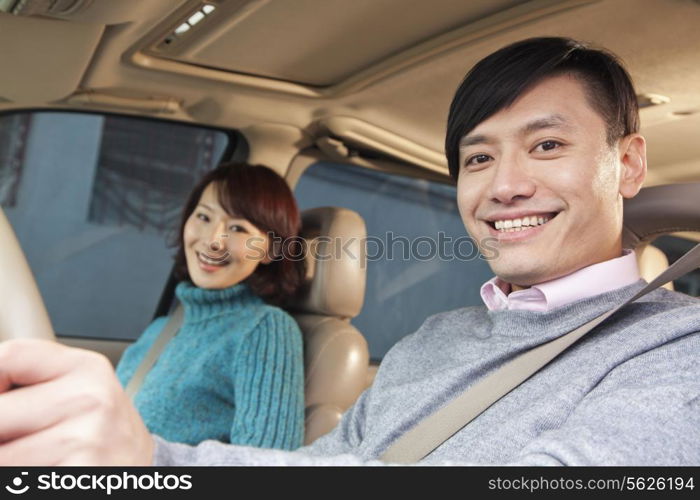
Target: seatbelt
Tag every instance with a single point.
(441, 425)
(169, 331)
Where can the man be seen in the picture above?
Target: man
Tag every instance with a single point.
(542, 140)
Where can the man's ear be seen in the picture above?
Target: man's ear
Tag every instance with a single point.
(633, 161)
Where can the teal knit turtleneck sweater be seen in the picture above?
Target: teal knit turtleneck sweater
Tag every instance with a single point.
(233, 372)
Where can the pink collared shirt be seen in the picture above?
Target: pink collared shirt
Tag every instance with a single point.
(587, 282)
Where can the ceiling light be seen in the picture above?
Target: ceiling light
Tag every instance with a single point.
(182, 28)
(196, 17)
(185, 27)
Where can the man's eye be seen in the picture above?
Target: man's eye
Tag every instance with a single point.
(203, 217)
(548, 145)
(477, 159)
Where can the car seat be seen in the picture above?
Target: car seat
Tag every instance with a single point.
(336, 356)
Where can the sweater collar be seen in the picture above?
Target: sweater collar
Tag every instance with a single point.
(204, 303)
(553, 323)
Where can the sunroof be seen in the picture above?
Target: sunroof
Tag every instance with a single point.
(317, 43)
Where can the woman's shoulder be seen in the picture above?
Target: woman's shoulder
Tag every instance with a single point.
(276, 314)
(275, 321)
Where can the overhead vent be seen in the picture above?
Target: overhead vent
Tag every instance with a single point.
(52, 8)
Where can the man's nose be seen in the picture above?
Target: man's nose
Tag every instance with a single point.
(217, 238)
(511, 181)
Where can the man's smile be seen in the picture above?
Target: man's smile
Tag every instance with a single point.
(516, 226)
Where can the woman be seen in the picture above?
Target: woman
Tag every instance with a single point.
(234, 371)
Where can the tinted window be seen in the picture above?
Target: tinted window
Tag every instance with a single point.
(420, 259)
(674, 248)
(95, 202)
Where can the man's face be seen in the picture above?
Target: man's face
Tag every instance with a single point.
(539, 187)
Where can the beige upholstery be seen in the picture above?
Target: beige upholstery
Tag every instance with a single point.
(652, 262)
(336, 271)
(335, 353)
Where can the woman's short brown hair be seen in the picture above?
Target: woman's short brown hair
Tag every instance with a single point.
(259, 195)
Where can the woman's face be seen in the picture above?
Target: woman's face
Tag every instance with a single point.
(221, 250)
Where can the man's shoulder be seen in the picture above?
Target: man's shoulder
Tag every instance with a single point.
(663, 295)
(662, 302)
(444, 328)
(660, 308)
(455, 319)
(430, 347)
(657, 331)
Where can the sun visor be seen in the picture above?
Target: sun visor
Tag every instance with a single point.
(51, 63)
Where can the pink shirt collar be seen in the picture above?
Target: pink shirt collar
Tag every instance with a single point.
(587, 282)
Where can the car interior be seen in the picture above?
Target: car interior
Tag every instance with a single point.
(110, 111)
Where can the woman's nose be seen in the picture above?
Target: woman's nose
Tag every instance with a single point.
(217, 238)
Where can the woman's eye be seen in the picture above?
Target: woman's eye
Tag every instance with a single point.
(203, 217)
(548, 145)
(237, 228)
(477, 159)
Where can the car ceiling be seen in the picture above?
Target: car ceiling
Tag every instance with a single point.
(375, 74)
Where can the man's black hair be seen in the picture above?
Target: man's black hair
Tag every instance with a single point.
(496, 81)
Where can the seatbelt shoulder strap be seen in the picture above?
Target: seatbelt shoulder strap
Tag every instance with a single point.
(169, 331)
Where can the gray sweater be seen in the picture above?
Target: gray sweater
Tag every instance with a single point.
(626, 394)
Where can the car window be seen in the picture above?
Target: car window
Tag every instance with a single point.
(674, 248)
(95, 203)
(420, 260)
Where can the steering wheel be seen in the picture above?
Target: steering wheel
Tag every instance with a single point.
(22, 310)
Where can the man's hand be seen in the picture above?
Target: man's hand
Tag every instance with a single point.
(64, 406)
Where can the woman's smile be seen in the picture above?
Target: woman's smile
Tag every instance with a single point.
(213, 263)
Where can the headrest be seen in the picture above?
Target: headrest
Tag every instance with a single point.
(659, 210)
(336, 263)
(652, 262)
